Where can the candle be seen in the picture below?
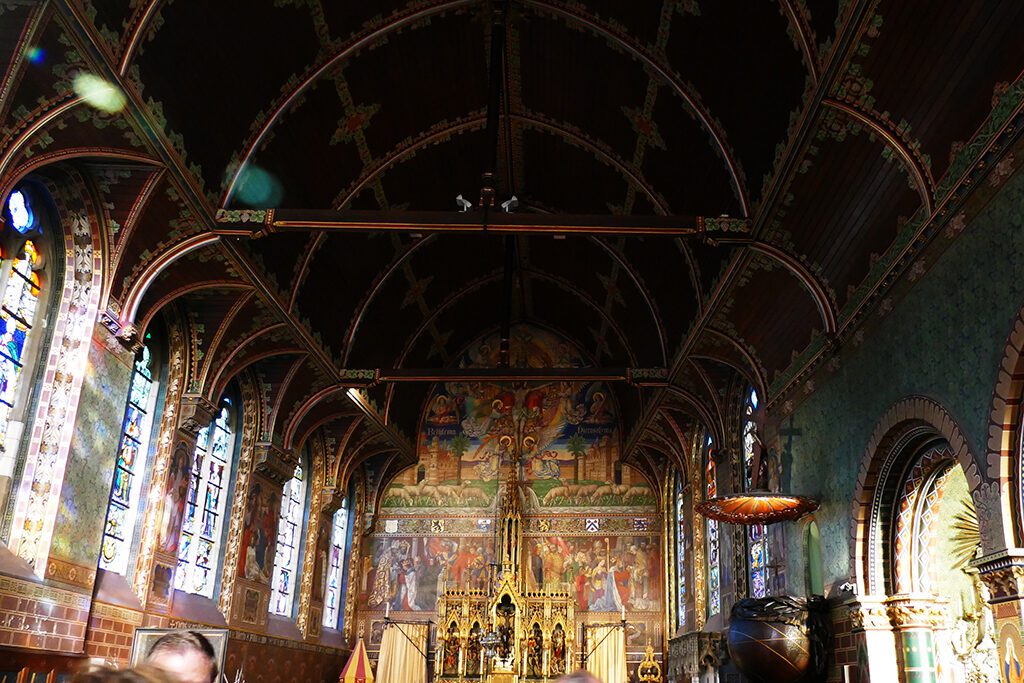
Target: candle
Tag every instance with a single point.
(623, 612)
(387, 610)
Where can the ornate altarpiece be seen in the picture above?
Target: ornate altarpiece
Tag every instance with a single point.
(503, 633)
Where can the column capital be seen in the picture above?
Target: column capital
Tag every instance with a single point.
(196, 413)
(274, 462)
(916, 610)
(1003, 574)
(868, 613)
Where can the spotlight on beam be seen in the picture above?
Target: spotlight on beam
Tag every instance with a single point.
(464, 204)
(510, 205)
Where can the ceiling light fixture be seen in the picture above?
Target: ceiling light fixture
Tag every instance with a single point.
(757, 507)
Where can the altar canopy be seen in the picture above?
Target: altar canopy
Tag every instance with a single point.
(402, 658)
(357, 670)
(607, 661)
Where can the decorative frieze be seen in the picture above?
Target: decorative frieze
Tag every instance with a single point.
(869, 614)
(911, 611)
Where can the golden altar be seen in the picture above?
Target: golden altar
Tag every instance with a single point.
(503, 633)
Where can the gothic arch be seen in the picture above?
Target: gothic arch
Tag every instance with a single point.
(1003, 449)
(908, 425)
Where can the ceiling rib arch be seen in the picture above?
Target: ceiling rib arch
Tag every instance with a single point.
(143, 280)
(918, 170)
(818, 291)
(371, 35)
(173, 295)
(713, 422)
(641, 288)
(413, 145)
(576, 16)
(288, 437)
(222, 379)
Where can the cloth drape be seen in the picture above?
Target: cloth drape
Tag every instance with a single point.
(399, 661)
(607, 661)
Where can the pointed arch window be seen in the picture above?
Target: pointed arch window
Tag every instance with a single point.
(132, 453)
(289, 526)
(713, 541)
(681, 559)
(336, 571)
(27, 251)
(757, 533)
(201, 531)
(18, 308)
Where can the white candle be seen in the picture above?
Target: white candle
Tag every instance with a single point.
(623, 612)
(387, 610)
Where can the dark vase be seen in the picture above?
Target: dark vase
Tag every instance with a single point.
(779, 639)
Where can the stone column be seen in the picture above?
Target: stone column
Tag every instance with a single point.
(1003, 575)
(914, 617)
(246, 601)
(194, 413)
(876, 646)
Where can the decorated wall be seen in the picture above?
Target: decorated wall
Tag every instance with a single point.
(591, 524)
(957, 315)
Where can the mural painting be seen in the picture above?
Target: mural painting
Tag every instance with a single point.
(589, 521)
(175, 493)
(605, 573)
(259, 533)
(568, 431)
(406, 573)
(94, 448)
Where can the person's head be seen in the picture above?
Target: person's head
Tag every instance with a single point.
(142, 674)
(578, 677)
(187, 655)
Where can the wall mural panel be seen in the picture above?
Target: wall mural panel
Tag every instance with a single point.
(84, 496)
(590, 523)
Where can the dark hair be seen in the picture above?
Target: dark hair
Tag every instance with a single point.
(142, 674)
(186, 641)
(578, 677)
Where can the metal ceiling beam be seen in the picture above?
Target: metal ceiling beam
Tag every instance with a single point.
(261, 222)
(637, 376)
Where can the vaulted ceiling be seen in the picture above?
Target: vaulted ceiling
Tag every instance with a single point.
(840, 131)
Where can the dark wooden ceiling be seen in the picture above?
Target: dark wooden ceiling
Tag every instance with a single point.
(837, 128)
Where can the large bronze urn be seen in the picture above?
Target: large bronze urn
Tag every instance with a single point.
(779, 639)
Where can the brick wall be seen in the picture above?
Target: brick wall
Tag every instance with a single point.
(844, 645)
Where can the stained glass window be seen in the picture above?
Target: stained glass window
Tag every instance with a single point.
(336, 572)
(199, 546)
(714, 570)
(758, 533)
(131, 461)
(289, 526)
(680, 505)
(19, 210)
(17, 314)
